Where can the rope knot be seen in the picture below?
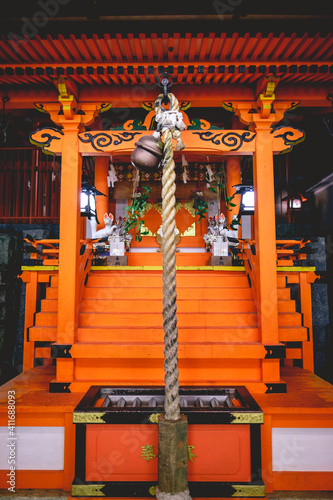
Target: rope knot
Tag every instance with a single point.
(171, 119)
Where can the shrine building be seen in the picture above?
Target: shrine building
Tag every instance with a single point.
(84, 236)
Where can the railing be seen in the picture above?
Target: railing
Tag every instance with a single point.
(289, 253)
(292, 263)
(35, 278)
(46, 253)
(293, 252)
(248, 251)
(42, 252)
(29, 187)
(45, 259)
(85, 265)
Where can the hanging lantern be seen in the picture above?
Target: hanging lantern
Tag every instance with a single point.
(295, 201)
(147, 153)
(247, 202)
(87, 200)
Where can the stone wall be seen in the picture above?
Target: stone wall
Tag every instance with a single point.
(10, 288)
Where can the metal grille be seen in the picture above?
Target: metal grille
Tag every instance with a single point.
(196, 401)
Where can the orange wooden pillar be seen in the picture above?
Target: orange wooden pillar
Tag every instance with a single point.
(69, 252)
(260, 116)
(264, 229)
(101, 173)
(233, 171)
(70, 115)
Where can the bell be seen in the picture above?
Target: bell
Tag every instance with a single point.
(148, 153)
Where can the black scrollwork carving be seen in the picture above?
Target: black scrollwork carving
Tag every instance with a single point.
(102, 140)
(124, 136)
(40, 107)
(98, 141)
(232, 140)
(46, 137)
(287, 137)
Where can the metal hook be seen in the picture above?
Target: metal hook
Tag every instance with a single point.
(163, 102)
(5, 99)
(165, 83)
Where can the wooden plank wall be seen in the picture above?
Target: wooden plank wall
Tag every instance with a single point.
(29, 187)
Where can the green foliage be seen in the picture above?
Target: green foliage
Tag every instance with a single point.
(201, 209)
(228, 202)
(218, 185)
(234, 223)
(135, 212)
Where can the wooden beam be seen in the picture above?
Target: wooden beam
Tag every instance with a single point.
(127, 96)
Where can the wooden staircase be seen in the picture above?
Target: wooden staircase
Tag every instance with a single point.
(120, 334)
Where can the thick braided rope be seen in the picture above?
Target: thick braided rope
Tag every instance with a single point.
(171, 404)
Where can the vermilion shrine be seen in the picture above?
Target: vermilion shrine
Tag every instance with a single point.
(101, 325)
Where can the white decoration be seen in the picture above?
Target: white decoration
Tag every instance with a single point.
(185, 175)
(210, 174)
(220, 246)
(112, 177)
(302, 449)
(119, 240)
(105, 231)
(217, 237)
(169, 120)
(36, 448)
(185, 165)
(117, 246)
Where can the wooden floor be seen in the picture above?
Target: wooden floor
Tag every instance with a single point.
(306, 392)
(307, 404)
